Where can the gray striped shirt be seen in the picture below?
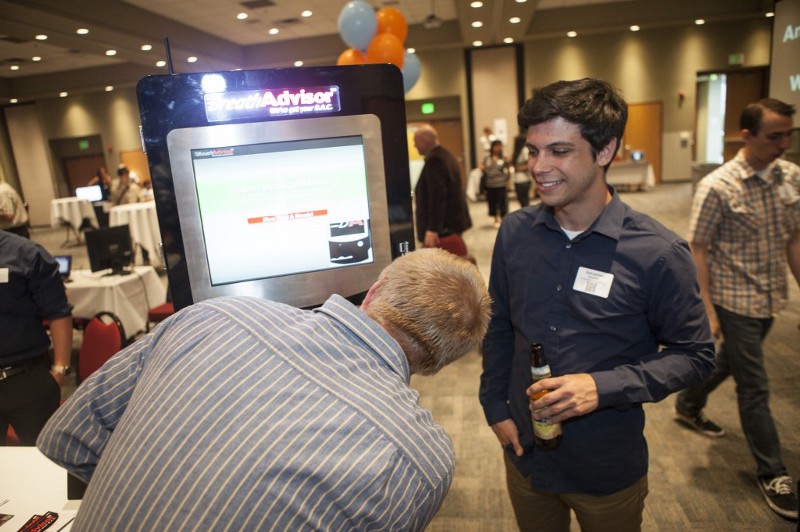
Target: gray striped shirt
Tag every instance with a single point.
(244, 414)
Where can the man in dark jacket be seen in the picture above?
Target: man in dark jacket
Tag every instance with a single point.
(441, 208)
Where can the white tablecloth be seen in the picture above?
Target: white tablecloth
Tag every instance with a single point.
(33, 485)
(143, 221)
(71, 210)
(638, 174)
(127, 296)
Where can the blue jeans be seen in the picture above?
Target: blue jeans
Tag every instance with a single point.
(742, 356)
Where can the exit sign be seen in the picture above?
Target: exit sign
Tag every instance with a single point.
(427, 108)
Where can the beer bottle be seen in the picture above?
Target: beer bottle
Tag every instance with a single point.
(546, 436)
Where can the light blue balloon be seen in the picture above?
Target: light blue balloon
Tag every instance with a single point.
(357, 24)
(411, 71)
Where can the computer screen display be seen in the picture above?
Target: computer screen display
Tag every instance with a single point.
(284, 207)
(285, 210)
(90, 193)
(110, 248)
(64, 265)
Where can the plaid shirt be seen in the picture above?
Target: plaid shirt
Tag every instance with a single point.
(747, 222)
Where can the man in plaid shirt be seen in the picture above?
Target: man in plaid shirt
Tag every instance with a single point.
(744, 230)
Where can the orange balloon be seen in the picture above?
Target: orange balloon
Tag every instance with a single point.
(386, 48)
(392, 21)
(351, 56)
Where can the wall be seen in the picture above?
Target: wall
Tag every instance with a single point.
(112, 115)
(652, 65)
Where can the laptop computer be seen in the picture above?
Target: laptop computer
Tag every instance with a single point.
(64, 266)
(91, 193)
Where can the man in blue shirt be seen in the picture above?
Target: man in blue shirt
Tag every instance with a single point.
(240, 413)
(613, 297)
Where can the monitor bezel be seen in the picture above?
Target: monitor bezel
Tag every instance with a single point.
(97, 247)
(300, 289)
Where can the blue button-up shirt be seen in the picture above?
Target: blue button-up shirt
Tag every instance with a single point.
(648, 337)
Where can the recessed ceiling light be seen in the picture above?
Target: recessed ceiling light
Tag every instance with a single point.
(147, 47)
(477, 24)
(477, 43)
(306, 13)
(508, 40)
(191, 59)
(14, 67)
(298, 63)
(111, 52)
(635, 28)
(411, 50)
(274, 31)
(161, 64)
(13, 100)
(63, 94)
(572, 34)
(769, 14)
(700, 21)
(521, 1)
(109, 88)
(41, 37)
(242, 16)
(515, 20)
(36, 58)
(476, 5)
(82, 31)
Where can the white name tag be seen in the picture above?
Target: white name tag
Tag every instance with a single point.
(593, 282)
(3, 275)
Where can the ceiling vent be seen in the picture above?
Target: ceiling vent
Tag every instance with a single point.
(287, 21)
(13, 40)
(257, 4)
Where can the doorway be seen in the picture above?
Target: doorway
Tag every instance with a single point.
(643, 134)
(450, 137)
(721, 96)
(79, 170)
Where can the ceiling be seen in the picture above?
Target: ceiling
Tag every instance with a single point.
(210, 31)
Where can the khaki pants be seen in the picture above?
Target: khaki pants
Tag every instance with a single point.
(541, 511)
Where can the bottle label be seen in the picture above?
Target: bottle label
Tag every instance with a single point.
(545, 431)
(541, 372)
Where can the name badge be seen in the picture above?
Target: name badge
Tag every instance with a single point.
(3, 275)
(593, 282)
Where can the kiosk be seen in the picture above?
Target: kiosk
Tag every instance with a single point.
(288, 184)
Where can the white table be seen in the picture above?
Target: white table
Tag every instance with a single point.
(636, 174)
(33, 485)
(143, 221)
(127, 296)
(72, 211)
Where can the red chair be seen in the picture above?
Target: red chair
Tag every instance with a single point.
(103, 336)
(160, 313)
(11, 436)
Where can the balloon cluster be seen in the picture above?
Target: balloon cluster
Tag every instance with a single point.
(376, 37)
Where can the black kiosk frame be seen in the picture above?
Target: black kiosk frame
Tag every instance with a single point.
(289, 184)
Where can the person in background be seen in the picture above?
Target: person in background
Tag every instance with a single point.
(102, 178)
(125, 191)
(613, 297)
(13, 214)
(522, 178)
(440, 205)
(31, 291)
(246, 414)
(147, 191)
(134, 177)
(744, 231)
(495, 167)
(486, 141)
